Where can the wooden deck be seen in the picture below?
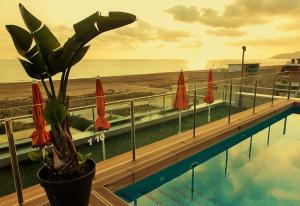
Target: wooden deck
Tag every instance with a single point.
(120, 171)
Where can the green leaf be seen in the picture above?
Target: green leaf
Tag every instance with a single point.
(80, 54)
(31, 52)
(85, 23)
(31, 21)
(69, 50)
(114, 20)
(39, 65)
(85, 30)
(53, 65)
(55, 112)
(82, 158)
(84, 36)
(30, 69)
(22, 39)
(46, 41)
(35, 155)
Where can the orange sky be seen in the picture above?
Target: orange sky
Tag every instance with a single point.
(192, 29)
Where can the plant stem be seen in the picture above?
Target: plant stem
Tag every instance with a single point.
(52, 87)
(66, 78)
(46, 89)
(61, 86)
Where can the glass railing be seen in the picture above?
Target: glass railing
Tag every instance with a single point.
(142, 117)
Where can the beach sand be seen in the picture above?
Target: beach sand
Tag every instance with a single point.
(117, 87)
(19, 94)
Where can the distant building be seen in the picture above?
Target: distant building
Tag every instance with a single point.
(293, 65)
(249, 67)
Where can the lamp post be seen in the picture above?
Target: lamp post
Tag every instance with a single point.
(242, 74)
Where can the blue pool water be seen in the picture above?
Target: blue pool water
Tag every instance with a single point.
(256, 173)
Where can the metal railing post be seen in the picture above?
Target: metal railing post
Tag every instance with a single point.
(240, 95)
(230, 100)
(242, 75)
(132, 128)
(102, 139)
(195, 100)
(273, 91)
(289, 89)
(254, 97)
(14, 161)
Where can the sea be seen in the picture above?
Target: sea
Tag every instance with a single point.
(12, 71)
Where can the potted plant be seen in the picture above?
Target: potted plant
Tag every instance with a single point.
(67, 175)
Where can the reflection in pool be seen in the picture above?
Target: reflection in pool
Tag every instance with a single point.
(256, 174)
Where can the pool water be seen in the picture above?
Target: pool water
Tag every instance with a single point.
(251, 172)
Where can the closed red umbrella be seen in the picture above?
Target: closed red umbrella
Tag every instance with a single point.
(209, 98)
(101, 122)
(40, 137)
(181, 100)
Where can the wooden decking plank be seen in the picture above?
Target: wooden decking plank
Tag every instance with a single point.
(97, 200)
(110, 198)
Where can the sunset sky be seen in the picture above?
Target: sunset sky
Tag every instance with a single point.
(190, 29)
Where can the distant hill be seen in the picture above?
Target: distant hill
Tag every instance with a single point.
(287, 55)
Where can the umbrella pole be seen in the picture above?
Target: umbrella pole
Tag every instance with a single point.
(102, 138)
(179, 122)
(208, 118)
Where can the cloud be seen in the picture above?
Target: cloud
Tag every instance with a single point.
(226, 32)
(239, 13)
(186, 14)
(145, 32)
(140, 32)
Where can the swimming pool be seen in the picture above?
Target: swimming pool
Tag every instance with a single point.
(250, 168)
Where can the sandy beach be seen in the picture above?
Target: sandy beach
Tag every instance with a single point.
(81, 91)
(116, 87)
